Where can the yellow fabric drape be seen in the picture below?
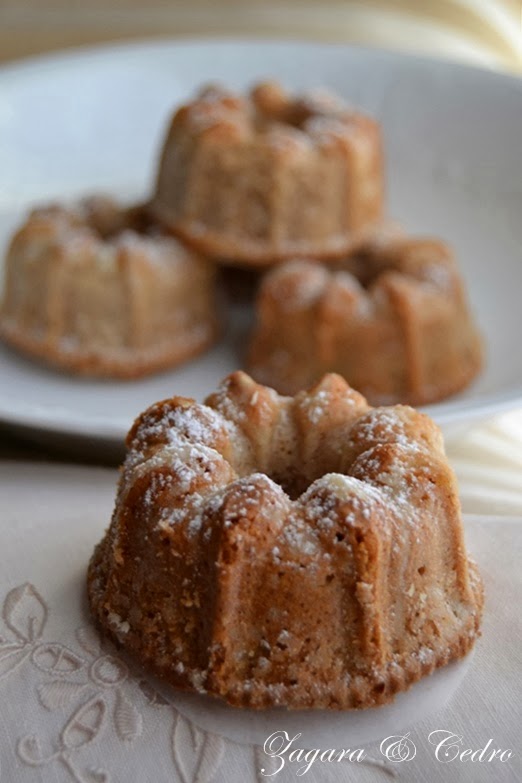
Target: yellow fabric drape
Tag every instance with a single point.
(487, 32)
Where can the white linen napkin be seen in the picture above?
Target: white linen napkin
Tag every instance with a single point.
(487, 459)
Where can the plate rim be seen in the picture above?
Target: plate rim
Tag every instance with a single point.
(18, 66)
(66, 423)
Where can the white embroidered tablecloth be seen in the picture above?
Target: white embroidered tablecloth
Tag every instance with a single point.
(72, 710)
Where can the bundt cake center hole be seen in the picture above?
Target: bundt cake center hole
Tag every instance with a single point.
(293, 486)
(272, 104)
(366, 269)
(295, 114)
(109, 222)
(290, 478)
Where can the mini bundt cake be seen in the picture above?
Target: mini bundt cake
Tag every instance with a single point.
(393, 320)
(306, 552)
(265, 177)
(98, 289)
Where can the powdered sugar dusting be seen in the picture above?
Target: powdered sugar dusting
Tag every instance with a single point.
(296, 284)
(188, 465)
(316, 406)
(338, 499)
(300, 537)
(199, 424)
(385, 425)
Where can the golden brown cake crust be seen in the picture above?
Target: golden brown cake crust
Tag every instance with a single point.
(123, 364)
(393, 320)
(97, 289)
(265, 177)
(303, 552)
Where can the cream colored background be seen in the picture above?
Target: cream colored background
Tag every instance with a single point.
(484, 31)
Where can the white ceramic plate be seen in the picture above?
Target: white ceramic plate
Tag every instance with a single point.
(90, 120)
